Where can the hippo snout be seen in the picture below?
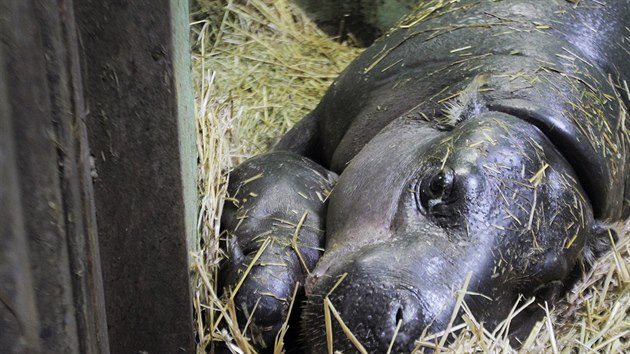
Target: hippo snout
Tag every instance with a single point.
(374, 308)
(384, 313)
(379, 295)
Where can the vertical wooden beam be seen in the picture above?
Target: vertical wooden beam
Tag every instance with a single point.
(140, 123)
(68, 111)
(18, 312)
(139, 110)
(50, 211)
(182, 79)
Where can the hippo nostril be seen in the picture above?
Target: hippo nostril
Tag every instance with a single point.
(399, 331)
(399, 314)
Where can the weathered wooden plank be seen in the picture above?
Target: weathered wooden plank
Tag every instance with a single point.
(37, 168)
(18, 314)
(51, 234)
(182, 80)
(67, 113)
(133, 79)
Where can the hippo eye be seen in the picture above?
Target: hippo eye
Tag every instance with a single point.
(441, 183)
(435, 192)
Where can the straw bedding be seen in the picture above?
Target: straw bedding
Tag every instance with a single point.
(261, 65)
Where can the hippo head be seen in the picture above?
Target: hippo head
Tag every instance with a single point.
(422, 208)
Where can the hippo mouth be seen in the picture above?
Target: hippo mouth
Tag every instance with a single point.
(391, 325)
(383, 310)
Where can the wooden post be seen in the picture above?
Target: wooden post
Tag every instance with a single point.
(54, 290)
(136, 62)
(93, 236)
(18, 312)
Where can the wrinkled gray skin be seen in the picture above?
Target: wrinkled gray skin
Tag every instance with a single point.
(489, 139)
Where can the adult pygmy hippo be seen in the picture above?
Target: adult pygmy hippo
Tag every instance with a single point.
(477, 137)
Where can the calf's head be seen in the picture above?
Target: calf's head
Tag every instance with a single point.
(420, 209)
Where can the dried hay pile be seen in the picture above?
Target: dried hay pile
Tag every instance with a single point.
(261, 65)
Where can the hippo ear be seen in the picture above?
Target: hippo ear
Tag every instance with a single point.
(599, 242)
(468, 103)
(235, 253)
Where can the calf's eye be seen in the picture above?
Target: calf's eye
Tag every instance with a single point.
(441, 184)
(434, 193)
